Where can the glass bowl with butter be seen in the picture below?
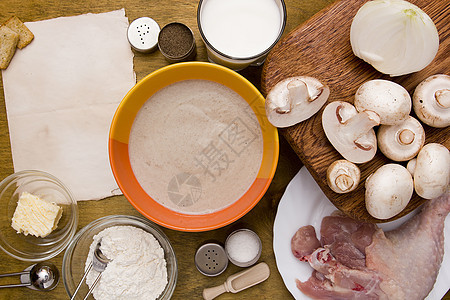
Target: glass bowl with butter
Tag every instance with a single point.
(38, 215)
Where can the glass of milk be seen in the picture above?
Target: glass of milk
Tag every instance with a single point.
(239, 33)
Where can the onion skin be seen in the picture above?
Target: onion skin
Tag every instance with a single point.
(395, 36)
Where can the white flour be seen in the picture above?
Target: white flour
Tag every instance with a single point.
(137, 269)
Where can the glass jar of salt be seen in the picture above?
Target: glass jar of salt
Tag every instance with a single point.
(243, 247)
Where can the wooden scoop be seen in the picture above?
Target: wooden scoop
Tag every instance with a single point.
(239, 281)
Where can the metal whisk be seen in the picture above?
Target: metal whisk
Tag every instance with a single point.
(99, 263)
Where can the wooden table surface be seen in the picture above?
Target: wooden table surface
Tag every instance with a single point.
(190, 282)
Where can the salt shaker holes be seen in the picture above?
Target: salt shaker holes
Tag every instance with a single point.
(143, 34)
(214, 264)
(211, 259)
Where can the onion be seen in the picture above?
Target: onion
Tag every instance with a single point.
(394, 36)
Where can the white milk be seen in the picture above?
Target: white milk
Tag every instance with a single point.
(241, 28)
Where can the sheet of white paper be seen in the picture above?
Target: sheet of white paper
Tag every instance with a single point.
(61, 92)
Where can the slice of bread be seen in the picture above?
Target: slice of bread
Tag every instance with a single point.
(8, 43)
(25, 35)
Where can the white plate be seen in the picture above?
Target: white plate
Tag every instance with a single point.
(304, 203)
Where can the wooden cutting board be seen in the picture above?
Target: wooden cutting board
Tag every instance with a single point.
(321, 48)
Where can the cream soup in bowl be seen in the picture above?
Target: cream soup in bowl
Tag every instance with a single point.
(191, 148)
(195, 146)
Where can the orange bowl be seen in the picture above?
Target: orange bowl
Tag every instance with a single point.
(120, 133)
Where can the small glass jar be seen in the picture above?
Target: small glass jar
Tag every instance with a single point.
(243, 247)
(240, 33)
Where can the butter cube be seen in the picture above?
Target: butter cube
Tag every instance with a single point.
(35, 216)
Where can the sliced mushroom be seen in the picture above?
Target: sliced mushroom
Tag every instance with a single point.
(432, 171)
(343, 176)
(351, 133)
(388, 99)
(431, 101)
(388, 191)
(294, 100)
(401, 142)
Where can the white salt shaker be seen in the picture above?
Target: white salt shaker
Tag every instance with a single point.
(243, 247)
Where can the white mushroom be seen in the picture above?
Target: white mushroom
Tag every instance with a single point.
(388, 191)
(388, 99)
(432, 171)
(431, 101)
(294, 100)
(351, 133)
(411, 166)
(343, 176)
(401, 142)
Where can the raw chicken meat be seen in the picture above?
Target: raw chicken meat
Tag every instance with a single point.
(359, 261)
(347, 239)
(338, 259)
(333, 280)
(408, 258)
(304, 242)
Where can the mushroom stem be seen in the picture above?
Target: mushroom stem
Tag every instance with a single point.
(443, 98)
(401, 142)
(314, 93)
(431, 101)
(295, 99)
(344, 182)
(358, 125)
(343, 176)
(300, 91)
(351, 133)
(406, 137)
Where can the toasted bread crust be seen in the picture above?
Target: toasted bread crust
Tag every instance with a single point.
(8, 43)
(25, 35)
